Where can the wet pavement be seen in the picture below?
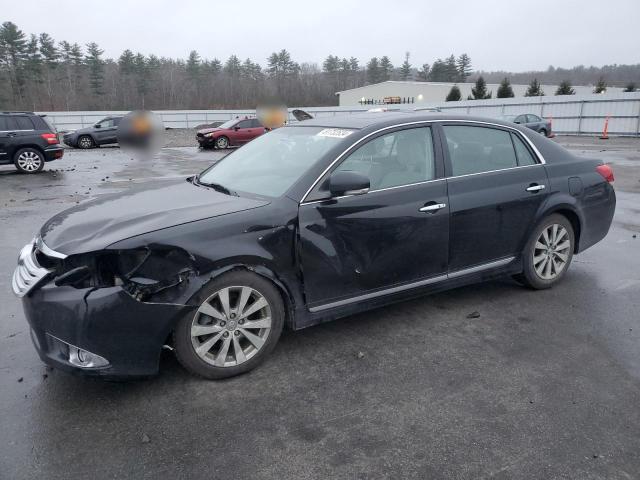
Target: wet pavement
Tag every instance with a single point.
(538, 385)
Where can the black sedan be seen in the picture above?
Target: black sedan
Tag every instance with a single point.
(534, 122)
(305, 224)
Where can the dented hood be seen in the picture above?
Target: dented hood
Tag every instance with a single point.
(98, 223)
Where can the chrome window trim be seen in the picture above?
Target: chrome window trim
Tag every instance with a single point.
(409, 286)
(374, 191)
(537, 153)
(11, 131)
(453, 177)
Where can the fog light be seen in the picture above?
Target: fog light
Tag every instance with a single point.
(84, 359)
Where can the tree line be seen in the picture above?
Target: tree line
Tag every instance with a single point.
(39, 73)
(480, 92)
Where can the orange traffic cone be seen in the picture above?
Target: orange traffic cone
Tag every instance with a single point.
(605, 131)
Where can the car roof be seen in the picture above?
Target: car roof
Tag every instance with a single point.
(385, 119)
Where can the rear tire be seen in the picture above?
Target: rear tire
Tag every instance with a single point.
(543, 132)
(239, 320)
(548, 253)
(86, 142)
(28, 160)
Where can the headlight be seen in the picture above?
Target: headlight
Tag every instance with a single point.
(208, 135)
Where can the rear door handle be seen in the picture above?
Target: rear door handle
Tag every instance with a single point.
(535, 188)
(434, 207)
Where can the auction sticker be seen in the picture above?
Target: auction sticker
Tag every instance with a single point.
(334, 133)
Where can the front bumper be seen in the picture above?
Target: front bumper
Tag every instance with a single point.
(206, 141)
(107, 322)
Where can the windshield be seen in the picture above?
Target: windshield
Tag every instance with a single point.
(273, 162)
(228, 123)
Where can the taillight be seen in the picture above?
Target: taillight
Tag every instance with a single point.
(606, 171)
(51, 138)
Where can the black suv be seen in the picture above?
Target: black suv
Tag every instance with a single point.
(102, 133)
(27, 140)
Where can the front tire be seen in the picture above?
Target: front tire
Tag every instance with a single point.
(543, 132)
(85, 142)
(222, 143)
(548, 253)
(237, 324)
(29, 160)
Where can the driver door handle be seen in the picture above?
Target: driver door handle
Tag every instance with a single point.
(535, 188)
(433, 207)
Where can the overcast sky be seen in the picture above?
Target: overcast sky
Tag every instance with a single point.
(508, 35)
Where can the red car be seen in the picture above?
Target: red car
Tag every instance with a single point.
(231, 133)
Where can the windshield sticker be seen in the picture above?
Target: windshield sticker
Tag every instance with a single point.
(335, 133)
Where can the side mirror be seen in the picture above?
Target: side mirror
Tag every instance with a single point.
(97, 125)
(236, 128)
(348, 183)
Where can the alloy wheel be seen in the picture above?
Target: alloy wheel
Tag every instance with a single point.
(85, 142)
(551, 251)
(29, 161)
(222, 142)
(231, 326)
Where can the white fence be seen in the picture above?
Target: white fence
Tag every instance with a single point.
(571, 115)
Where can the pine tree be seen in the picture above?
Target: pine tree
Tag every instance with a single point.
(464, 67)
(373, 71)
(601, 86)
(193, 65)
(12, 56)
(505, 90)
(565, 88)
(95, 63)
(451, 69)
(330, 64)
(534, 89)
(438, 72)
(454, 94)
(386, 67)
(479, 92)
(423, 73)
(631, 87)
(405, 69)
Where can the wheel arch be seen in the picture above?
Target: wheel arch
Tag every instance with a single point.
(263, 271)
(27, 145)
(571, 213)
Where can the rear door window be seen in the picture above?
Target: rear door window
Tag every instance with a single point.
(479, 149)
(23, 123)
(244, 124)
(3, 124)
(255, 123)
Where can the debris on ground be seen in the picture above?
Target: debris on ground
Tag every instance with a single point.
(145, 438)
(20, 380)
(474, 314)
(360, 355)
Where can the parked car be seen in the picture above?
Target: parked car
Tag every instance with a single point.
(231, 133)
(102, 133)
(534, 122)
(308, 223)
(28, 141)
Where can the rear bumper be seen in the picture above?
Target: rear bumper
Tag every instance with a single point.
(53, 152)
(107, 322)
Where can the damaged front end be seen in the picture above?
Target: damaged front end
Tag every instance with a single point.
(106, 312)
(153, 273)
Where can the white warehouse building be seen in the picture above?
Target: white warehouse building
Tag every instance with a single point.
(432, 92)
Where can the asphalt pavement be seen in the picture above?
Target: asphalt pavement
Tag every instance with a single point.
(487, 381)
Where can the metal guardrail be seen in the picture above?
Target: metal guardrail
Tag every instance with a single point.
(575, 115)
